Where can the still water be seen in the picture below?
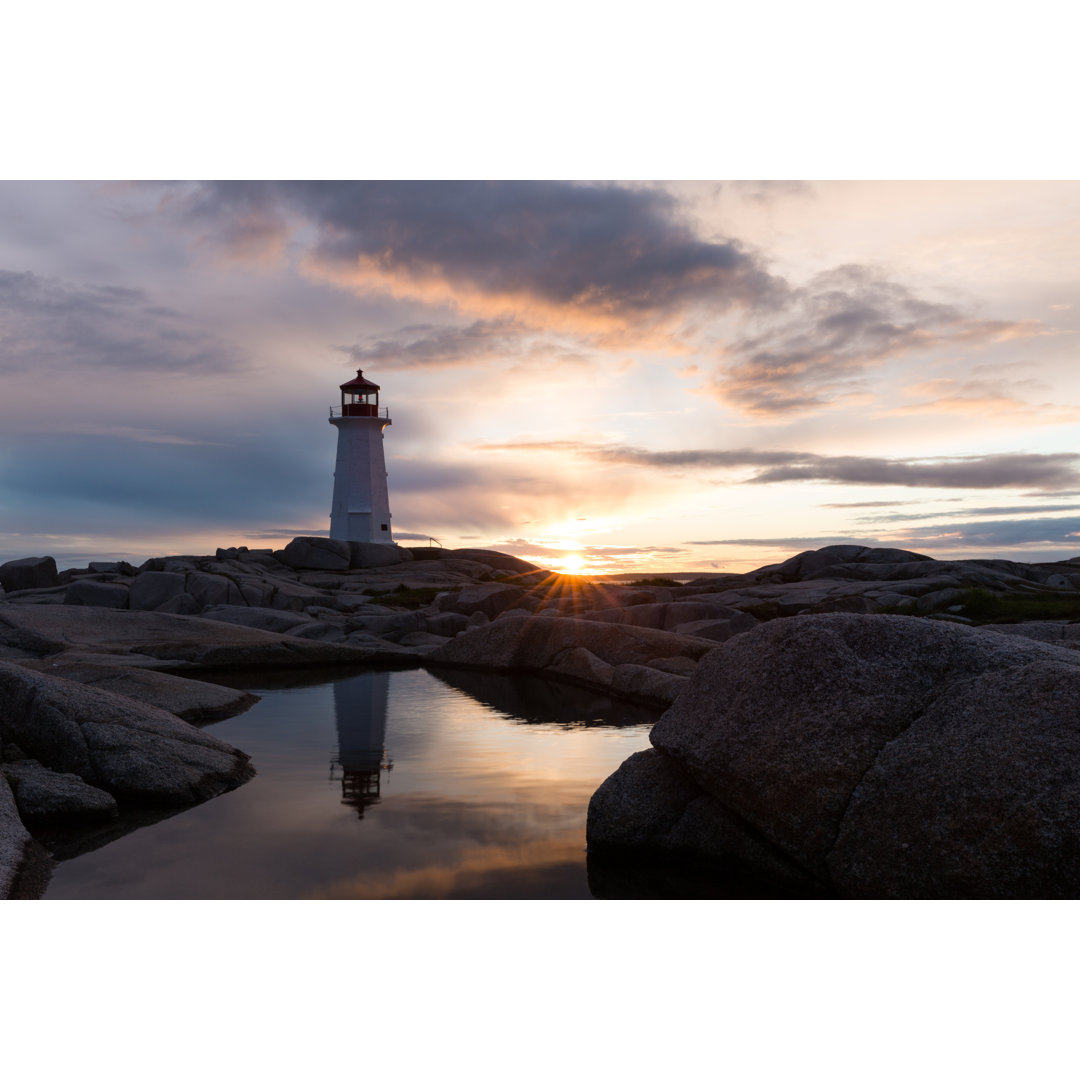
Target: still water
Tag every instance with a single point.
(384, 785)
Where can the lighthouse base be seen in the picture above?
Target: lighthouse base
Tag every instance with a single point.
(360, 526)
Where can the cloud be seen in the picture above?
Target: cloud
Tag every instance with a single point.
(982, 397)
(1044, 472)
(768, 191)
(523, 547)
(597, 258)
(50, 325)
(619, 266)
(243, 219)
(970, 512)
(958, 535)
(663, 459)
(71, 483)
(428, 346)
(835, 330)
(998, 534)
(439, 498)
(134, 434)
(801, 543)
(862, 505)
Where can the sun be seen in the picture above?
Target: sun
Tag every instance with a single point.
(572, 564)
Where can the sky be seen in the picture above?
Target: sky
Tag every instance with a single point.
(596, 376)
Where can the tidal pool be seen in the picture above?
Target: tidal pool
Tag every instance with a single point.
(382, 785)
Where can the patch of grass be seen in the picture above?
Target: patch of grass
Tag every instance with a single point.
(906, 608)
(984, 606)
(763, 612)
(404, 597)
(654, 582)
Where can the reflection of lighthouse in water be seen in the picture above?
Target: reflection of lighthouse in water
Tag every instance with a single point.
(360, 712)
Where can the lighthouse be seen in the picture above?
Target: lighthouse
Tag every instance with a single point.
(361, 505)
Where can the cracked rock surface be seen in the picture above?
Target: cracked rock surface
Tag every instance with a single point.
(874, 756)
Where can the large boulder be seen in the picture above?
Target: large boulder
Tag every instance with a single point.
(875, 756)
(323, 553)
(104, 594)
(135, 752)
(617, 659)
(491, 598)
(809, 564)
(495, 560)
(153, 588)
(316, 553)
(364, 556)
(33, 573)
(212, 589)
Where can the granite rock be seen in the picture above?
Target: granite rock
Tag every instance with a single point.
(159, 640)
(316, 553)
(153, 588)
(880, 756)
(43, 796)
(135, 752)
(364, 556)
(33, 573)
(585, 652)
(16, 845)
(102, 594)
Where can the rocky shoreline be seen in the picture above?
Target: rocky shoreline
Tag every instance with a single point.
(813, 733)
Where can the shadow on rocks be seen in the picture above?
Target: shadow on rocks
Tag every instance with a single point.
(68, 841)
(615, 876)
(536, 700)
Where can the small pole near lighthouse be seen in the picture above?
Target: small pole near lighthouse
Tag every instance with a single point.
(360, 509)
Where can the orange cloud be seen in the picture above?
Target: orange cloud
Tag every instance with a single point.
(981, 398)
(603, 320)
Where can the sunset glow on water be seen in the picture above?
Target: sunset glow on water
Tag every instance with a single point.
(392, 785)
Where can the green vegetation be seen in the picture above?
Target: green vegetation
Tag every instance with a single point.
(655, 582)
(403, 597)
(763, 612)
(984, 606)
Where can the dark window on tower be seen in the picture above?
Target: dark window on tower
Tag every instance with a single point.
(385, 527)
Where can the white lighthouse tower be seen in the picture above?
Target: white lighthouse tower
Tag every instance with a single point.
(361, 505)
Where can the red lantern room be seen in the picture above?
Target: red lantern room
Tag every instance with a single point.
(359, 397)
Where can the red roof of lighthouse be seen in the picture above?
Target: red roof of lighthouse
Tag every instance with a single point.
(359, 384)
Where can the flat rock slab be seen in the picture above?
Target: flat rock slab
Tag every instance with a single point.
(191, 700)
(880, 756)
(171, 642)
(46, 796)
(135, 752)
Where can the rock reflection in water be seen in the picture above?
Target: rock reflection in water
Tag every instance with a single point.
(530, 699)
(361, 759)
